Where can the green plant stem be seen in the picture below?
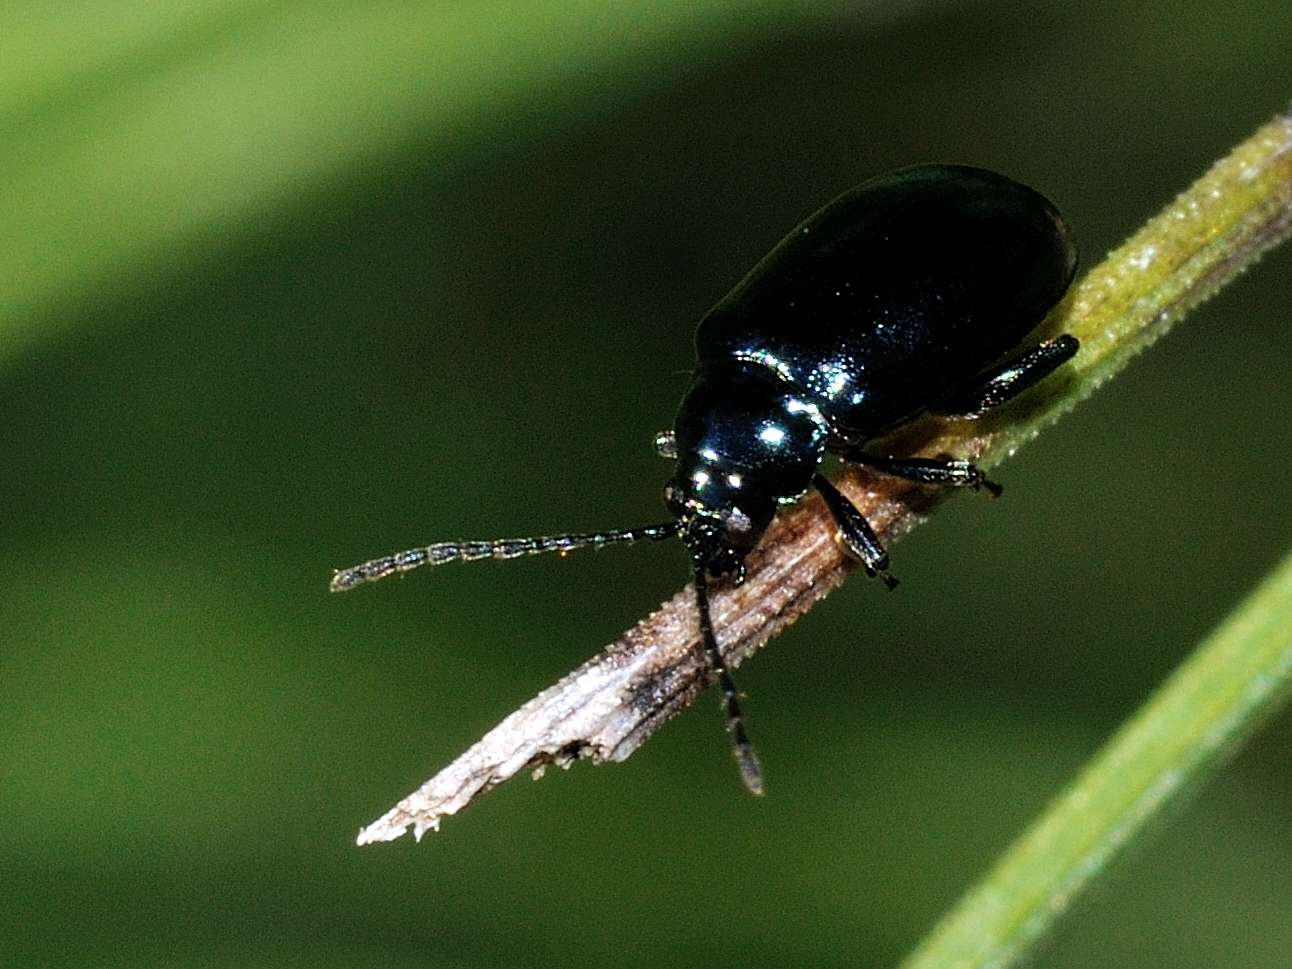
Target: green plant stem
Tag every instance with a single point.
(1242, 673)
(1214, 230)
(1239, 676)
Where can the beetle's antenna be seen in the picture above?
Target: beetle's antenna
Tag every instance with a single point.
(501, 548)
(750, 770)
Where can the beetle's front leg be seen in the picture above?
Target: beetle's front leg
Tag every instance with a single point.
(855, 532)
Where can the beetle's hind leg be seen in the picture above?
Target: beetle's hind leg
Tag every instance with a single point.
(855, 532)
(1007, 380)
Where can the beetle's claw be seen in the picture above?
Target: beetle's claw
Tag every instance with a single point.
(883, 575)
(991, 487)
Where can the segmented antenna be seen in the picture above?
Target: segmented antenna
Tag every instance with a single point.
(502, 548)
(751, 772)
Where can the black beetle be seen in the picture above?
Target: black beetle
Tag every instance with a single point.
(909, 294)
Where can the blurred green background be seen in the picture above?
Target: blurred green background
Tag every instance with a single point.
(284, 286)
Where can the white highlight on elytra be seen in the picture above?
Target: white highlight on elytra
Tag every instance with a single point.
(768, 360)
(838, 380)
(797, 406)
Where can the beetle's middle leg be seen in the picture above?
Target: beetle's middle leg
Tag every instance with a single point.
(946, 472)
(997, 386)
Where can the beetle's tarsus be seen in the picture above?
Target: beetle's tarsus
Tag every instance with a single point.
(751, 771)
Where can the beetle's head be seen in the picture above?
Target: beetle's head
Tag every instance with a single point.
(745, 444)
(721, 522)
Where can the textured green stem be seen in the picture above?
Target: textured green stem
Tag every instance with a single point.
(1206, 237)
(1238, 677)
(1242, 673)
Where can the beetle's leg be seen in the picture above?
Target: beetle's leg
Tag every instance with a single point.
(1007, 380)
(946, 472)
(1000, 384)
(855, 532)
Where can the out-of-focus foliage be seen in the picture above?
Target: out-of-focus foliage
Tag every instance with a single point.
(282, 286)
